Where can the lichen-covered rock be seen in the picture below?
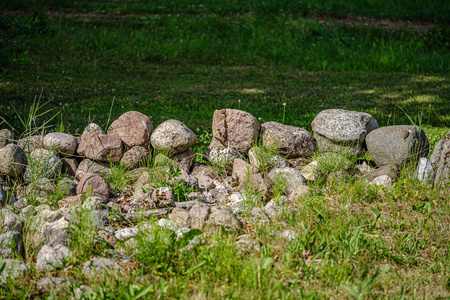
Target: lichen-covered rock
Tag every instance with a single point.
(397, 144)
(12, 269)
(6, 137)
(93, 128)
(56, 232)
(40, 189)
(337, 130)
(198, 215)
(98, 265)
(135, 157)
(9, 221)
(134, 128)
(235, 129)
(50, 257)
(64, 143)
(173, 136)
(12, 160)
(222, 157)
(95, 184)
(100, 147)
(11, 243)
(290, 141)
(382, 180)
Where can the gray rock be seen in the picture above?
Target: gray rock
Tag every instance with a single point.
(397, 144)
(50, 258)
(69, 167)
(337, 130)
(222, 157)
(10, 221)
(224, 217)
(43, 163)
(198, 215)
(93, 128)
(6, 137)
(28, 144)
(259, 217)
(188, 181)
(10, 243)
(289, 140)
(263, 159)
(90, 166)
(289, 176)
(64, 143)
(54, 283)
(98, 265)
(363, 168)
(40, 190)
(298, 193)
(173, 136)
(183, 161)
(235, 129)
(245, 244)
(92, 203)
(391, 171)
(205, 182)
(440, 158)
(126, 233)
(135, 157)
(46, 214)
(382, 180)
(180, 217)
(56, 232)
(12, 160)
(66, 187)
(134, 128)
(12, 268)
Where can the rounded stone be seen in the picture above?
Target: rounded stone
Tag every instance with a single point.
(135, 157)
(12, 160)
(95, 184)
(64, 143)
(42, 163)
(93, 128)
(339, 130)
(134, 128)
(290, 141)
(173, 136)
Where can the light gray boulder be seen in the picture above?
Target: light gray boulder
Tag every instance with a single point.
(42, 163)
(64, 143)
(337, 130)
(382, 180)
(135, 157)
(12, 160)
(126, 233)
(290, 177)
(290, 141)
(397, 144)
(173, 136)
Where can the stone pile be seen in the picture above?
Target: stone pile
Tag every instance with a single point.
(79, 169)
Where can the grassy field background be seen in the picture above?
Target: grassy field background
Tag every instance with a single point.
(91, 61)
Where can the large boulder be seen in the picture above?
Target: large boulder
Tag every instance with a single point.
(290, 141)
(235, 129)
(12, 160)
(134, 128)
(338, 130)
(173, 136)
(29, 143)
(397, 144)
(440, 158)
(64, 143)
(100, 147)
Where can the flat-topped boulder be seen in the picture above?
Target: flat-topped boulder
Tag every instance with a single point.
(338, 130)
